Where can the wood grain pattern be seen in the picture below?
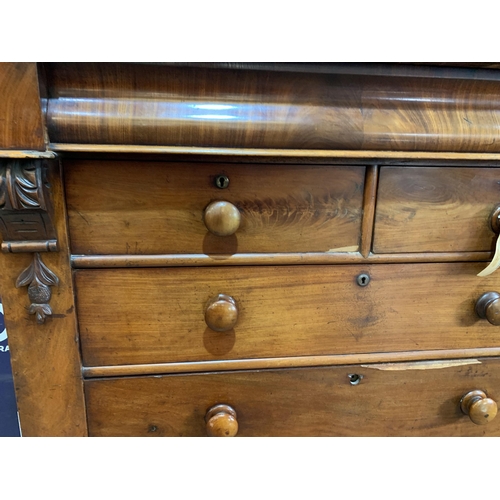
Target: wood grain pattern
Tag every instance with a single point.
(209, 107)
(45, 358)
(370, 195)
(273, 259)
(21, 124)
(300, 402)
(235, 153)
(387, 360)
(428, 209)
(157, 315)
(153, 207)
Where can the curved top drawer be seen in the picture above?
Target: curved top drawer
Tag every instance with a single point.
(120, 207)
(147, 104)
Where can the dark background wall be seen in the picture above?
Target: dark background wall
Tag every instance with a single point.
(9, 423)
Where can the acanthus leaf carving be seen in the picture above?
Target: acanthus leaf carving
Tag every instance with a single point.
(39, 278)
(26, 215)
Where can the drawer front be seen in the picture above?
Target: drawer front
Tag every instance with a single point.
(412, 399)
(159, 208)
(429, 209)
(130, 316)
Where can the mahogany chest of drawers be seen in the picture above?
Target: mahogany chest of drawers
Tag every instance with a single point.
(284, 250)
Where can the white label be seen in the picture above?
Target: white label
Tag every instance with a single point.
(3, 333)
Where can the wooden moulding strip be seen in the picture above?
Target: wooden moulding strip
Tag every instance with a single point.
(289, 362)
(303, 153)
(272, 259)
(5, 153)
(367, 223)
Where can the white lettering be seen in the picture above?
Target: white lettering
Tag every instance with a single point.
(4, 348)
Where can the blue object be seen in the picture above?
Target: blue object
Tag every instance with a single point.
(9, 421)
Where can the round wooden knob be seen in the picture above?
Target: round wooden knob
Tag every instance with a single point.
(488, 307)
(221, 313)
(222, 218)
(479, 407)
(221, 421)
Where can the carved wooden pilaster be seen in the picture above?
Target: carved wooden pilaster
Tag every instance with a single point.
(26, 225)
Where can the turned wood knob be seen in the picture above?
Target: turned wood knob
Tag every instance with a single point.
(222, 218)
(488, 307)
(221, 421)
(221, 313)
(480, 408)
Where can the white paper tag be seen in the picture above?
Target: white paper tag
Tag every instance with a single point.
(495, 263)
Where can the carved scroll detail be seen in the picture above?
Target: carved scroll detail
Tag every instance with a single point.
(21, 185)
(26, 221)
(39, 278)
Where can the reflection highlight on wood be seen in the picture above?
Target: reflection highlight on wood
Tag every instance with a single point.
(122, 103)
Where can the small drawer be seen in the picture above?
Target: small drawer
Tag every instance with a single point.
(140, 316)
(401, 399)
(429, 209)
(118, 207)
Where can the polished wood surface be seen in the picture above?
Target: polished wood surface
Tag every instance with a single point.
(345, 156)
(221, 313)
(21, 123)
(419, 399)
(370, 196)
(157, 315)
(222, 218)
(221, 421)
(45, 358)
(481, 409)
(488, 307)
(154, 207)
(287, 362)
(122, 103)
(257, 249)
(185, 260)
(426, 209)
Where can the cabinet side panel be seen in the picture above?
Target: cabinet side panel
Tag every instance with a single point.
(45, 357)
(21, 124)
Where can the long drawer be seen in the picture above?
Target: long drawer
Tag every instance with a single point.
(407, 399)
(124, 207)
(134, 316)
(429, 209)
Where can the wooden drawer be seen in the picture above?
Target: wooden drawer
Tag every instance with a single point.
(118, 207)
(404, 399)
(429, 209)
(135, 316)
